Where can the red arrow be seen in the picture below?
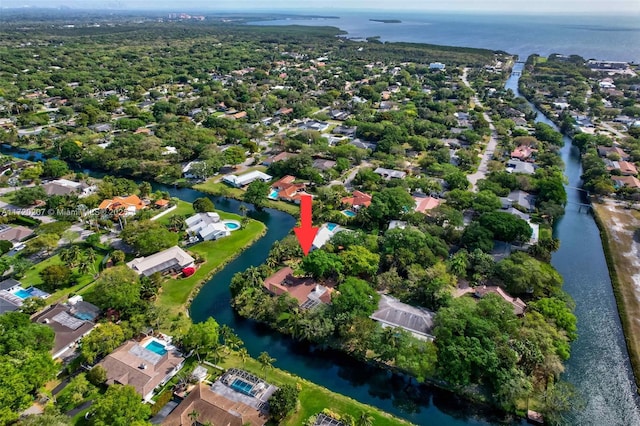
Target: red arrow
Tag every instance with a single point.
(305, 233)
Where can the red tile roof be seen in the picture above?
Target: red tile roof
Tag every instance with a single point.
(358, 199)
(426, 203)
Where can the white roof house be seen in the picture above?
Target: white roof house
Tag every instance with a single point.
(324, 234)
(246, 179)
(393, 313)
(389, 173)
(207, 226)
(173, 258)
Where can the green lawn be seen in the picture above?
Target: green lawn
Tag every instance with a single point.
(223, 190)
(175, 292)
(32, 277)
(313, 398)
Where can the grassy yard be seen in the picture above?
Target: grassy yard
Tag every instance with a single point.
(32, 277)
(313, 398)
(175, 292)
(223, 190)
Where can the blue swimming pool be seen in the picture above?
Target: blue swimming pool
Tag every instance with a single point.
(241, 386)
(349, 213)
(332, 226)
(232, 225)
(273, 194)
(23, 294)
(156, 347)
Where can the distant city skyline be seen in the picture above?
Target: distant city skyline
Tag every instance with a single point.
(327, 6)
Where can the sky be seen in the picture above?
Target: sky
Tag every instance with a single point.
(326, 6)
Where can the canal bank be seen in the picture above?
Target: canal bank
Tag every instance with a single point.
(599, 366)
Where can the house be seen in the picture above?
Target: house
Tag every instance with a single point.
(518, 166)
(101, 128)
(338, 115)
(393, 313)
(305, 290)
(357, 200)
(358, 143)
(278, 157)
(325, 233)
(246, 179)
(162, 203)
(70, 322)
(389, 173)
(523, 199)
(144, 365)
(628, 181)
(437, 66)
(127, 206)
(323, 164)
(518, 305)
(206, 226)
(606, 151)
(14, 234)
(522, 152)
(317, 125)
(284, 189)
(284, 111)
(225, 403)
(344, 130)
(426, 203)
(173, 259)
(624, 167)
(68, 187)
(169, 150)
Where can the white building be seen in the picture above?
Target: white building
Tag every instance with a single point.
(436, 66)
(206, 226)
(171, 259)
(246, 179)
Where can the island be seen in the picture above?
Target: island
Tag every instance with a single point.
(386, 21)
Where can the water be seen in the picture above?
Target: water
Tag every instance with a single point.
(599, 365)
(156, 347)
(607, 37)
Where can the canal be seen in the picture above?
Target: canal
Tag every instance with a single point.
(599, 365)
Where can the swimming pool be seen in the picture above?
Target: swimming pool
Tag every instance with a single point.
(156, 347)
(273, 194)
(349, 213)
(23, 294)
(332, 226)
(241, 386)
(232, 225)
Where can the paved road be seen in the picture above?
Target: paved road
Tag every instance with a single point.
(491, 146)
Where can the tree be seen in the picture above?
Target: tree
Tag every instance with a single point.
(234, 155)
(117, 288)
(149, 237)
(48, 418)
(102, 341)
(74, 393)
(266, 362)
(55, 168)
(256, 194)
(202, 338)
(117, 256)
(355, 299)
(365, 419)
(97, 376)
(389, 204)
(283, 401)
(119, 406)
(203, 205)
(56, 276)
(27, 196)
(321, 264)
(506, 227)
(45, 243)
(521, 273)
(485, 202)
(358, 261)
(145, 189)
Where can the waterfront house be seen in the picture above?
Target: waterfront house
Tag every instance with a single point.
(246, 179)
(518, 166)
(173, 259)
(206, 226)
(127, 206)
(286, 190)
(628, 181)
(522, 152)
(68, 187)
(518, 305)
(393, 313)
(606, 151)
(305, 290)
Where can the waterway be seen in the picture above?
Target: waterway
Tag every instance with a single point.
(599, 365)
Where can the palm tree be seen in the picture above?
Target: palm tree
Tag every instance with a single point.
(91, 257)
(243, 354)
(266, 361)
(193, 415)
(243, 209)
(84, 266)
(177, 223)
(365, 419)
